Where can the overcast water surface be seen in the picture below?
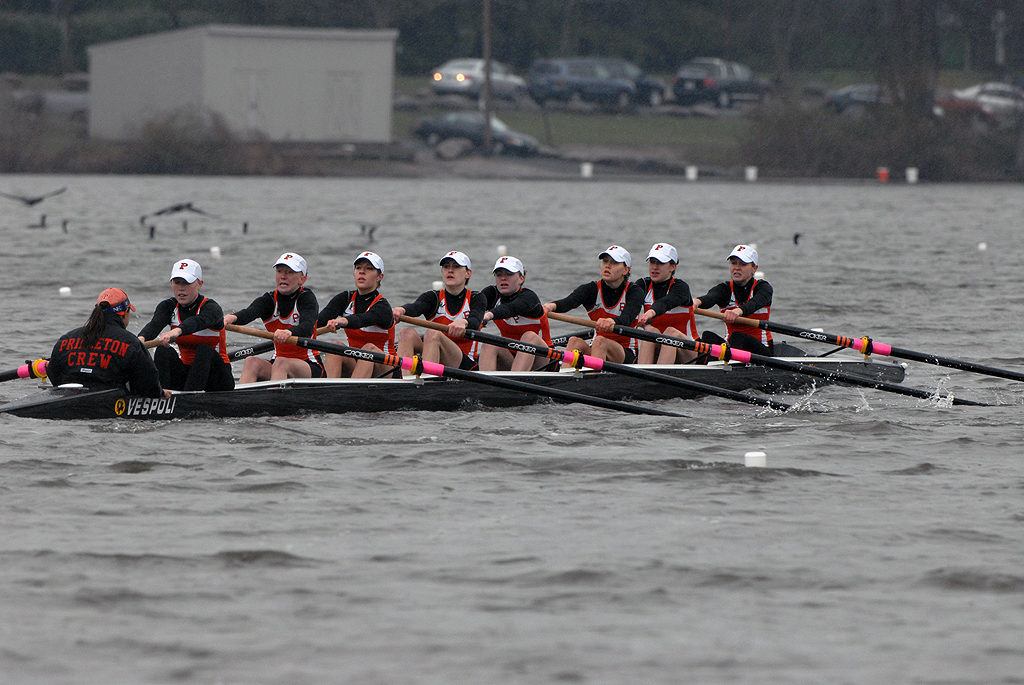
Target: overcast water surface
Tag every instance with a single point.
(882, 544)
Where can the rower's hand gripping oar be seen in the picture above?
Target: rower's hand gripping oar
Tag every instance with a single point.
(598, 365)
(726, 353)
(867, 346)
(416, 365)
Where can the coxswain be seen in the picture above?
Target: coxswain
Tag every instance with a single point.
(518, 314)
(612, 300)
(453, 305)
(668, 308)
(103, 354)
(196, 328)
(289, 310)
(742, 295)
(366, 317)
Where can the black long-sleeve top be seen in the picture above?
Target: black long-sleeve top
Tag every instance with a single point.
(263, 308)
(118, 359)
(721, 294)
(668, 294)
(426, 305)
(586, 296)
(379, 314)
(193, 318)
(524, 302)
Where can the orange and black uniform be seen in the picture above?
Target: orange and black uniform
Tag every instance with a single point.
(517, 314)
(117, 360)
(672, 304)
(755, 301)
(440, 306)
(296, 313)
(369, 316)
(203, 363)
(623, 304)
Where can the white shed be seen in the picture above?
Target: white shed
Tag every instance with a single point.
(290, 84)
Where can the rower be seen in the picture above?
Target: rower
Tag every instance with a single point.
(742, 295)
(668, 307)
(366, 317)
(197, 328)
(454, 305)
(612, 300)
(518, 314)
(103, 354)
(288, 310)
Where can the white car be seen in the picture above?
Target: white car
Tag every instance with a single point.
(1001, 100)
(466, 77)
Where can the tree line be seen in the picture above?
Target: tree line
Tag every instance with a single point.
(50, 36)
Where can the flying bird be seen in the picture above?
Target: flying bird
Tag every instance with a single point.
(174, 209)
(31, 200)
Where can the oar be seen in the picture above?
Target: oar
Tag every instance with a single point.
(30, 369)
(250, 351)
(727, 353)
(869, 346)
(599, 365)
(416, 365)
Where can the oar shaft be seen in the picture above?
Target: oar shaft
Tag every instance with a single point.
(33, 369)
(414, 365)
(601, 365)
(868, 346)
(729, 354)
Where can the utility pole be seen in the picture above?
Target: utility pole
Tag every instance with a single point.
(999, 28)
(486, 95)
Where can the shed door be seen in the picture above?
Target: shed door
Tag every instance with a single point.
(343, 102)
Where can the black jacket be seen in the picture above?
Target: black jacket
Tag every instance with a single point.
(118, 359)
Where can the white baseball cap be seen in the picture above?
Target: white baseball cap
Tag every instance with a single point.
(460, 258)
(664, 253)
(509, 264)
(292, 261)
(187, 269)
(373, 258)
(619, 254)
(744, 252)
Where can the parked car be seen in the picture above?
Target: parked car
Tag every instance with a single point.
(579, 79)
(466, 77)
(709, 79)
(1005, 103)
(470, 125)
(649, 90)
(856, 99)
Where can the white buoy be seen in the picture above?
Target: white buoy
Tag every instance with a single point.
(750, 173)
(759, 275)
(818, 330)
(64, 291)
(755, 459)
(437, 285)
(587, 169)
(502, 251)
(691, 173)
(982, 246)
(911, 174)
(215, 252)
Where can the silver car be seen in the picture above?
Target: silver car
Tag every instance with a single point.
(466, 77)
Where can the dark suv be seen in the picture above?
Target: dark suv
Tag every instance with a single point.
(579, 79)
(649, 90)
(715, 80)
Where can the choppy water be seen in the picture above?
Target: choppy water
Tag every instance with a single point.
(883, 543)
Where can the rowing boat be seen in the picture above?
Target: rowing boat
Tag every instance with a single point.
(426, 393)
